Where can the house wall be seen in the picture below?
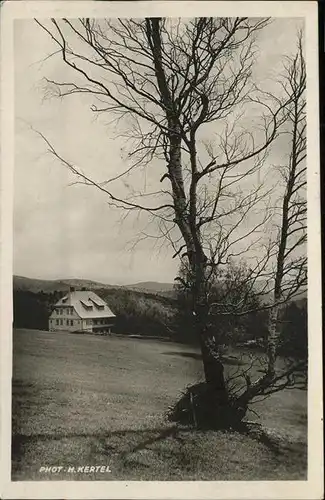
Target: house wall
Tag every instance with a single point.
(87, 325)
(103, 325)
(62, 317)
(97, 325)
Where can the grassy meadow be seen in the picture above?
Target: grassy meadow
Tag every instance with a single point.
(83, 400)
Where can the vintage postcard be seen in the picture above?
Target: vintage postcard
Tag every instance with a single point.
(160, 250)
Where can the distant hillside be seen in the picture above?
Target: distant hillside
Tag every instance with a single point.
(38, 285)
(147, 287)
(62, 285)
(151, 286)
(89, 284)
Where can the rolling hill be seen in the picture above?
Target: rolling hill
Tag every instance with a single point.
(62, 285)
(151, 287)
(38, 285)
(146, 287)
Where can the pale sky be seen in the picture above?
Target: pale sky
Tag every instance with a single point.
(63, 231)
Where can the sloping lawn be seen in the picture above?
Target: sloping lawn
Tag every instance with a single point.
(82, 400)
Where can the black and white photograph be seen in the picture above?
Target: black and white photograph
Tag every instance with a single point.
(165, 297)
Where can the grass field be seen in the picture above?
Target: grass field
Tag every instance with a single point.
(82, 400)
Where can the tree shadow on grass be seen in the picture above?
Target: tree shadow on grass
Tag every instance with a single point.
(227, 360)
(255, 431)
(156, 434)
(145, 452)
(142, 439)
(193, 355)
(156, 437)
(122, 444)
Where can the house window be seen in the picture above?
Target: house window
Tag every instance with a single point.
(61, 321)
(57, 321)
(71, 322)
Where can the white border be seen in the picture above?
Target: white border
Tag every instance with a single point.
(313, 487)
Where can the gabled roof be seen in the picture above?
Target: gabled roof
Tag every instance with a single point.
(86, 304)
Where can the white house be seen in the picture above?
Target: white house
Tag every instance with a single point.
(81, 310)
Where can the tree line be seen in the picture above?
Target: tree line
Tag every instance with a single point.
(156, 316)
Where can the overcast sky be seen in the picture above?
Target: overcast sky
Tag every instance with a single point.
(64, 231)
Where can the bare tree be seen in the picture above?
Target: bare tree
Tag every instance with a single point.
(166, 82)
(282, 266)
(289, 274)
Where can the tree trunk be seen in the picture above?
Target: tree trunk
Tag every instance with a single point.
(272, 341)
(215, 403)
(214, 373)
(216, 389)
